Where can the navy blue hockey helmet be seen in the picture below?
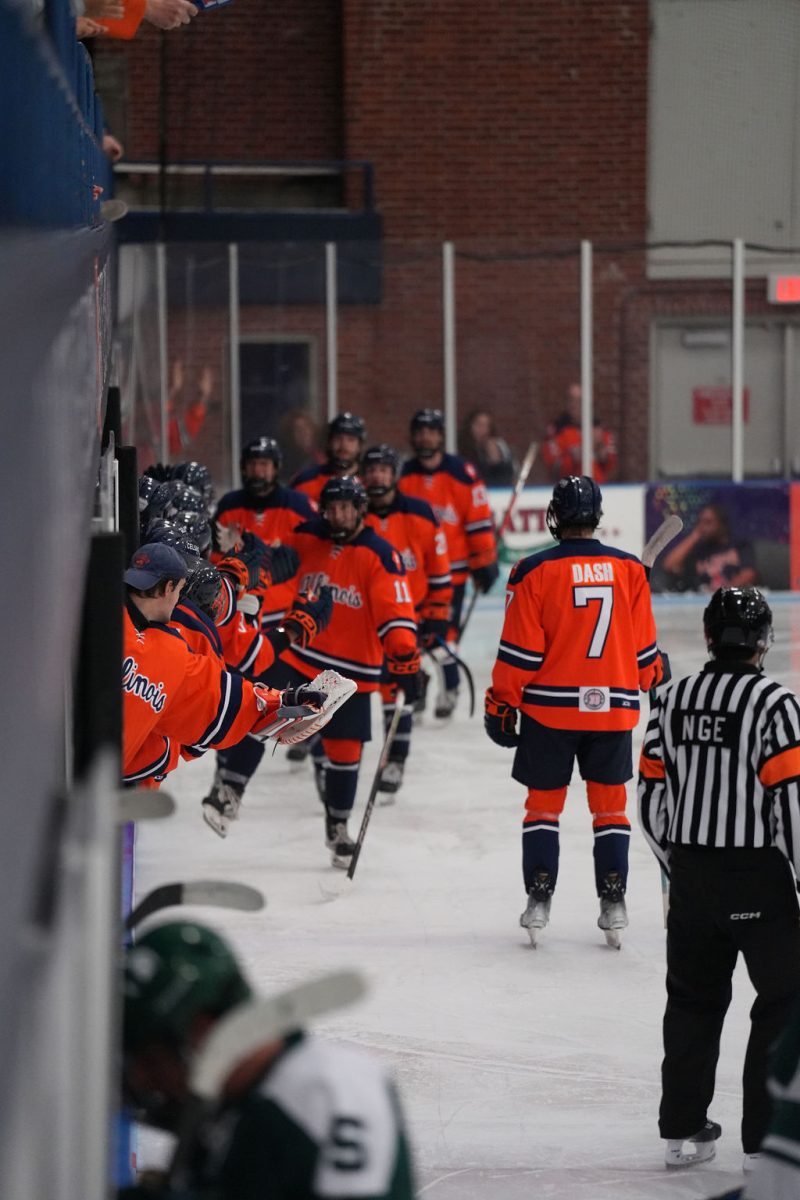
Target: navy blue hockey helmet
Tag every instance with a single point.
(168, 533)
(204, 588)
(577, 503)
(381, 455)
(351, 489)
(186, 498)
(427, 418)
(195, 475)
(349, 423)
(737, 622)
(196, 526)
(262, 447)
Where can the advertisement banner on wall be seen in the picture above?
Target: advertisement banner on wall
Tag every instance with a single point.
(622, 524)
(734, 535)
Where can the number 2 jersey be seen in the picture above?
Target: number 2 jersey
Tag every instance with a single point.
(579, 637)
(457, 494)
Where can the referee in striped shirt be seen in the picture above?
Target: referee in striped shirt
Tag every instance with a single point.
(719, 802)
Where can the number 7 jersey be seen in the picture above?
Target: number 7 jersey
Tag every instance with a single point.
(579, 637)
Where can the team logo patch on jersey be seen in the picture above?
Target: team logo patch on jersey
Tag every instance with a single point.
(132, 681)
(594, 699)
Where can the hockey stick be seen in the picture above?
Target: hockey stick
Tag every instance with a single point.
(462, 666)
(143, 804)
(245, 1029)
(522, 479)
(215, 892)
(373, 791)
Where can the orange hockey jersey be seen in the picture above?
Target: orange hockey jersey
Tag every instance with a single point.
(412, 528)
(271, 518)
(579, 637)
(312, 479)
(456, 493)
(373, 613)
(173, 698)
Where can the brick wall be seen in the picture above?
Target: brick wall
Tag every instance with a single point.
(514, 129)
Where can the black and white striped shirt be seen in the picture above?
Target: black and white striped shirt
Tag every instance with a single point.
(720, 764)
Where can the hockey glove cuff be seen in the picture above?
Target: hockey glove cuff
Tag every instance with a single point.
(305, 694)
(500, 722)
(404, 671)
(309, 615)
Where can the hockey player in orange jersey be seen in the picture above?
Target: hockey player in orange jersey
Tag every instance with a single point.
(173, 697)
(373, 618)
(577, 647)
(412, 528)
(346, 436)
(456, 493)
(264, 507)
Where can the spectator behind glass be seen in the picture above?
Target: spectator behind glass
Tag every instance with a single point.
(708, 558)
(479, 443)
(300, 442)
(561, 449)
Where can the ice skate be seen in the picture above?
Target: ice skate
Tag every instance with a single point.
(390, 781)
(751, 1161)
(537, 914)
(613, 913)
(698, 1148)
(221, 806)
(446, 703)
(339, 842)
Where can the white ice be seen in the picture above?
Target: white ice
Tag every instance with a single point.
(524, 1073)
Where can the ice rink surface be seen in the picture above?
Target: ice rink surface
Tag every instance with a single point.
(524, 1073)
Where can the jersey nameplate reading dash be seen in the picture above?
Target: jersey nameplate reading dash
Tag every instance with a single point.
(592, 572)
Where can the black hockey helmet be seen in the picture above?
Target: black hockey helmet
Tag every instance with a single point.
(195, 475)
(204, 588)
(186, 498)
(196, 525)
(351, 489)
(427, 418)
(737, 622)
(349, 423)
(168, 533)
(262, 447)
(381, 455)
(147, 486)
(577, 502)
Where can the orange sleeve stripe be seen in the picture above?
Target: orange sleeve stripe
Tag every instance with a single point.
(781, 767)
(651, 768)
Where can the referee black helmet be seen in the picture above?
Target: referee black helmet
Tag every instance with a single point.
(737, 623)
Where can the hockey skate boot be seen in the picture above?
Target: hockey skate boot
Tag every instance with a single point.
(699, 1148)
(446, 703)
(537, 914)
(338, 841)
(221, 806)
(613, 913)
(391, 780)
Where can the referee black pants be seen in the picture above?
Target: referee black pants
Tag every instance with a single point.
(723, 902)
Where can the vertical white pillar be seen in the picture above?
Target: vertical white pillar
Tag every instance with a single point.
(449, 342)
(234, 379)
(163, 355)
(737, 364)
(587, 398)
(331, 329)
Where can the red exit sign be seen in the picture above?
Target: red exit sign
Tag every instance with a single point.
(713, 405)
(783, 289)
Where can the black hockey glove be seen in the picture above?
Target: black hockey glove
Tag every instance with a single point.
(304, 694)
(667, 669)
(252, 554)
(500, 722)
(484, 577)
(431, 628)
(309, 615)
(404, 670)
(281, 563)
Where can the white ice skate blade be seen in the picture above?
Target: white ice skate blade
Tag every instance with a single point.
(677, 1156)
(613, 938)
(386, 798)
(216, 821)
(533, 933)
(335, 888)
